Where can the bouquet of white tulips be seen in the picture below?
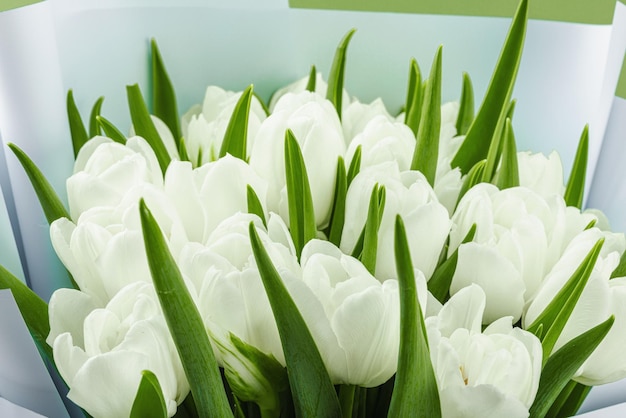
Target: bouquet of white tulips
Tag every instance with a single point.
(321, 257)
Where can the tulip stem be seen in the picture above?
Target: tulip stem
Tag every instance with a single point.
(346, 400)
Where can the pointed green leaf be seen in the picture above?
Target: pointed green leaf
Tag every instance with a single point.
(260, 100)
(301, 216)
(427, 138)
(184, 322)
(620, 270)
(413, 106)
(480, 133)
(163, 94)
(372, 225)
(497, 144)
(336, 75)
(149, 401)
(474, 177)
(555, 315)
(355, 165)
(508, 174)
(439, 283)
(52, 206)
(236, 135)
(312, 390)
(110, 130)
(77, 128)
(415, 393)
(254, 204)
(144, 127)
(466, 108)
(310, 85)
(33, 309)
(338, 215)
(569, 400)
(94, 127)
(576, 182)
(562, 365)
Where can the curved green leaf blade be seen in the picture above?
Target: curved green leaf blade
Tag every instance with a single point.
(569, 400)
(94, 127)
(355, 165)
(184, 322)
(163, 94)
(562, 365)
(77, 128)
(555, 315)
(466, 109)
(236, 135)
(144, 126)
(301, 216)
(508, 174)
(310, 85)
(497, 144)
(427, 138)
(33, 309)
(312, 390)
(576, 182)
(372, 225)
(52, 206)
(439, 283)
(338, 215)
(336, 75)
(620, 270)
(149, 401)
(110, 131)
(254, 204)
(474, 177)
(415, 393)
(476, 143)
(413, 105)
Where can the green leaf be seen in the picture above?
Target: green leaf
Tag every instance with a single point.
(481, 132)
(474, 177)
(301, 216)
(149, 401)
(182, 150)
(576, 182)
(33, 309)
(562, 365)
(355, 165)
(77, 128)
(466, 109)
(415, 393)
(184, 322)
(254, 204)
(259, 99)
(346, 399)
(312, 390)
(94, 127)
(427, 137)
(310, 85)
(508, 174)
(439, 283)
(497, 145)
(52, 206)
(372, 225)
(338, 214)
(569, 400)
(110, 130)
(236, 135)
(144, 127)
(413, 106)
(163, 94)
(336, 76)
(620, 270)
(555, 315)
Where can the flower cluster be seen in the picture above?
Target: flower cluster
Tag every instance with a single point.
(510, 277)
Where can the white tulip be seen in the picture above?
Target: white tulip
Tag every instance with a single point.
(491, 373)
(207, 195)
(105, 171)
(356, 116)
(519, 237)
(204, 128)
(317, 129)
(543, 175)
(600, 299)
(101, 351)
(167, 138)
(408, 194)
(299, 86)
